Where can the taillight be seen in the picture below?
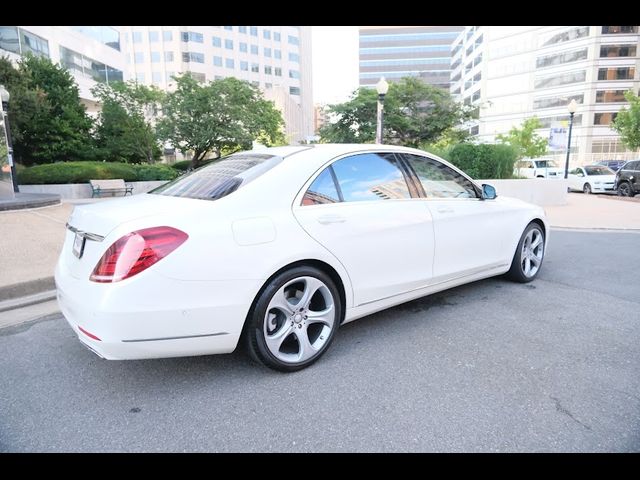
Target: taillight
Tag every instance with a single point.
(136, 252)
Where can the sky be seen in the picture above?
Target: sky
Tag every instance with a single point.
(334, 63)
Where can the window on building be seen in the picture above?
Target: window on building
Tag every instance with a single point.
(276, 36)
(610, 96)
(255, 83)
(253, 31)
(156, 78)
(266, 34)
(103, 34)
(552, 102)
(616, 73)
(294, 57)
(137, 37)
(228, 44)
(604, 118)
(268, 86)
(475, 96)
(268, 69)
(168, 56)
(294, 90)
(9, 39)
(561, 58)
(140, 77)
(193, 57)
(154, 36)
(229, 63)
(138, 57)
(244, 66)
(199, 77)
(370, 177)
(155, 57)
(228, 28)
(216, 41)
(568, 35)
(267, 52)
(474, 130)
(292, 40)
(439, 180)
(278, 71)
(277, 54)
(546, 122)
(254, 49)
(617, 51)
(243, 47)
(217, 61)
(255, 68)
(167, 36)
(619, 30)
(34, 44)
(294, 74)
(242, 29)
(169, 76)
(561, 79)
(192, 37)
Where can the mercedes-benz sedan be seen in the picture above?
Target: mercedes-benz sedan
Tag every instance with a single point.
(277, 248)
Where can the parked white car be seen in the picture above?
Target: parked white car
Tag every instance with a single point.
(592, 179)
(538, 168)
(281, 246)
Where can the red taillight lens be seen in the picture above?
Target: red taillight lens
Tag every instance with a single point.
(136, 252)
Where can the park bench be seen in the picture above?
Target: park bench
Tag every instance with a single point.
(110, 186)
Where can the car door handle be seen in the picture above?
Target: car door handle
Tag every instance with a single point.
(327, 219)
(445, 209)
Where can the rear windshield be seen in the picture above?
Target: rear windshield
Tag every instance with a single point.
(219, 178)
(546, 164)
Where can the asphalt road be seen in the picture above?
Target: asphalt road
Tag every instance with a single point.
(491, 366)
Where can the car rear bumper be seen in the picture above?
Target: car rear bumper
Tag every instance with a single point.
(170, 318)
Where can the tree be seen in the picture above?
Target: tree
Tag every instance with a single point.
(414, 112)
(627, 123)
(525, 140)
(124, 132)
(48, 121)
(223, 115)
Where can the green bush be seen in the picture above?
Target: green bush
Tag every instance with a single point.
(484, 161)
(82, 172)
(183, 165)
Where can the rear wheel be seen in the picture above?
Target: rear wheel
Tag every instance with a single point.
(527, 260)
(294, 319)
(586, 189)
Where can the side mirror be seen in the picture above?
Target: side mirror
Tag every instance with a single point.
(488, 192)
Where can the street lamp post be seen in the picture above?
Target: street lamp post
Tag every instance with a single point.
(381, 87)
(572, 110)
(4, 98)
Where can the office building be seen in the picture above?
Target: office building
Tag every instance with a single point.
(514, 73)
(396, 52)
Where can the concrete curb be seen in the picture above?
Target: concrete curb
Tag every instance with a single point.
(27, 300)
(24, 289)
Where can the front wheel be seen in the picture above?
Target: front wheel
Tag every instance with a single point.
(624, 190)
(294, 319)
(586, 189)
(527, 260)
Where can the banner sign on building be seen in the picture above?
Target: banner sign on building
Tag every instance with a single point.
(558, 136)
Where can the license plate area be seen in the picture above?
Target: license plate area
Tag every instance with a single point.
(78, 245)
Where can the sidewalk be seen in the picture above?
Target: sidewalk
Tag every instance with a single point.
(31, 239)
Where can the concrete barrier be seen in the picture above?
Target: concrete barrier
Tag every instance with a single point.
(83, 190)
(540, 191)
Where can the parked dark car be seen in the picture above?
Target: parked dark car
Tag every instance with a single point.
(614, 165)
(627, 182)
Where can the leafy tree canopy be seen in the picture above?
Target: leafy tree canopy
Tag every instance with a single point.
(627, 123)
(525, 140)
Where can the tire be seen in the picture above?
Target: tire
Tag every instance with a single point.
(625, 190)
(519, 271)
(586, 189)
(284, 334)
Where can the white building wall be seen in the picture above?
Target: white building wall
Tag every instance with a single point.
(510, 89)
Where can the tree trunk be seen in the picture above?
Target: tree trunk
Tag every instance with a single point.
(195, 160)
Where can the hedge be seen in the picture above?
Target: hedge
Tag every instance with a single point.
(184, 165)
(484, 161)
(82, 172)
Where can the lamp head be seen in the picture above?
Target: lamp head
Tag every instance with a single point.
(572, 107)
(382, 87)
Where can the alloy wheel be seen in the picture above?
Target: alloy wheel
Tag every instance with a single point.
(532, 252)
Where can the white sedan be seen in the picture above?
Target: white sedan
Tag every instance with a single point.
(277, 248)
(592, 179)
